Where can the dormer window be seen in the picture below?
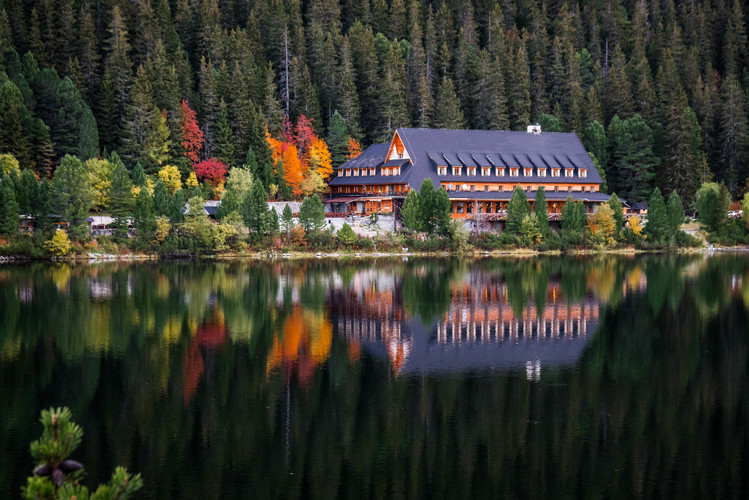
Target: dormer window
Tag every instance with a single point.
(500, 171)
(583, 172)
(457, 170)
(542, 172)
(486, 171)
(348, 172)
(555, 172)
(569, 172)
(372, 171)
(442, 170)
(356, 172)
(472, 171)
(527, 172)
(514, 172)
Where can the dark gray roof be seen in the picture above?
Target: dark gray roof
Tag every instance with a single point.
(430, 148)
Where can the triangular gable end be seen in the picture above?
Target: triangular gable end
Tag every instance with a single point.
(397, 150)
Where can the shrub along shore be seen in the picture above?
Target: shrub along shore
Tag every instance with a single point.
(247, 227)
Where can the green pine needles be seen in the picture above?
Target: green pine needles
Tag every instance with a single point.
(58, 477)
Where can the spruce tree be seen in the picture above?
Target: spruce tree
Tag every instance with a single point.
(337, 139)
(71, 195)
(447, 112)
(8, 207)
(541, 209)
(410, 211)
(120, 198)
(573, 217)
(674, 214)
(618, 211)
(224, 136)
(734, 133)
(254, 208)
(161, 199)
(312, 214)
(657, 225)
(144, 219)
(288, 218)
(517, 208)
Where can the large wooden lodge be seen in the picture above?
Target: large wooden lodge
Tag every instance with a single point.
(478, 168)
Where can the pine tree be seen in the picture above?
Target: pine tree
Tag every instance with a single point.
(144, 219)
(541, 209)
(636, 163)
(9, 210)
(284, 191)
(618, 211)
(657, 226)
(491, 102)
(161, 199)
(118, 64)
(312, 214)
(447, 112)
(410, 211)
(517, 208)
(120, 197)
(518, 90)
(71, 195)
(337, 139)
(674, 215)
(734, 133)
(224, 136)
(287, 217)
(254, 208)
(59, 476)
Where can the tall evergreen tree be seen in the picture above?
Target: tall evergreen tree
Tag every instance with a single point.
(71, 195)
(120, 197)
(517, 208)
(447, 112)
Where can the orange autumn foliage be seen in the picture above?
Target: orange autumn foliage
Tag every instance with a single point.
(294, 168)
(320, 155)
(354, 148)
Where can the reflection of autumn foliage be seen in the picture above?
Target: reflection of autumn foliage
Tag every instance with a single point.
(210, 334)
(303, 344)
(192, 371)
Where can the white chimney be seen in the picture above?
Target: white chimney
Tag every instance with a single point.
(534, 129)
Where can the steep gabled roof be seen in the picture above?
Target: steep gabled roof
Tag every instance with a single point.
(498, 147)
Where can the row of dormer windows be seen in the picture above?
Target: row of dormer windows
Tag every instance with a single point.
(501, 188)
(356, 172)
(514, 171)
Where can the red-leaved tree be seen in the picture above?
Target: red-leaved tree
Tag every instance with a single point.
(211, 170)
(192, 136)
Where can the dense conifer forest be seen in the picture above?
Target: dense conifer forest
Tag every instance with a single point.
(656, 89)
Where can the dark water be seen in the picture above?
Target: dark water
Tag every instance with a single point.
(560, 378)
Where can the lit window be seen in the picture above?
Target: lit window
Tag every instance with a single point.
(356, 172)
(372, 171)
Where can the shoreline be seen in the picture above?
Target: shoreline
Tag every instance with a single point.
(296, 255)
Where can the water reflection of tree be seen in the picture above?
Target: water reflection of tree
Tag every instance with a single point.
(660, 392)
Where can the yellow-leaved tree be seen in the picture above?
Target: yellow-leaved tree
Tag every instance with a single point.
(171, 177)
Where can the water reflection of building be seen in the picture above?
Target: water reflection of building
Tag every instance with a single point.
(480, 330)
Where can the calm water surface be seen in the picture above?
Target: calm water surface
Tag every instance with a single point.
(598, 377)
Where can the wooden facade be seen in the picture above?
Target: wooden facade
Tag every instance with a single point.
(479, 170)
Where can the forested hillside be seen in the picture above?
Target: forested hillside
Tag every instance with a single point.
(656, 89)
